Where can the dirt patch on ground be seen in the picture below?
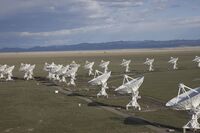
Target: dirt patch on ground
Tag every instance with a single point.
(97, 52)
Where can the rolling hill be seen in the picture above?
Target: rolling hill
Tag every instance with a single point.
(109, 46)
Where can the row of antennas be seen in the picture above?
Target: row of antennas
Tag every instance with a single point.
(58, 72)
(6, 72)
(187, 99)
(129, 85)
(172, 60)
(149, 62)
(126, 63)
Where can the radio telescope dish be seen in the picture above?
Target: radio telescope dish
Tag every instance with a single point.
(56, 71)
(74, 64)
(189, 101)
(71, 72)
(104, 65)
(2, 69)
(126, 63)
(61, 73)
(89, 66)
(8, 72)
(49, 68)
(101, 79)
(174, 62)
(197, 59)
(131, 86)
(28, 70)
(149, 62)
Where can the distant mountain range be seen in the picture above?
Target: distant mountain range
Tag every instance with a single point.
(110, 46)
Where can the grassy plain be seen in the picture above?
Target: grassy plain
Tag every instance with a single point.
(32, 106)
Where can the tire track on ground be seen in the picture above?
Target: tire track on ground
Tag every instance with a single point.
(157, 127)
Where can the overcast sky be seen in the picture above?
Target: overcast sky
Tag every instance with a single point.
(27, 23)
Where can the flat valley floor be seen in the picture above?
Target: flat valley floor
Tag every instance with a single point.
(32, 106)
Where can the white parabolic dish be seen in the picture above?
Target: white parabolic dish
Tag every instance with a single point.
(126, 62)
(104, 64)
(130, 86)
(100, 79)
(185, 101)
(89, 65)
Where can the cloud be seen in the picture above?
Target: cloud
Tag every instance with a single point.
(62, 32)
(48, 15)
(122, 4)
(11, 7)
(139, 26)
(191, 21)
(57, 22)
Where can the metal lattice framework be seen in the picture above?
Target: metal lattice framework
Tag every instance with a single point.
(104, 65)
(197, 59)
(89, 66)
(60, 72)
(131, 86)
(187, 99)
(173, 61)
(6, 72)
(28, 70)
(71, 72)
(126, 64)
(101, 79)
(149, 62)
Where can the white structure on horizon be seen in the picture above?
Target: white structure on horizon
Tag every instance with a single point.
(2, 68)
(188, 101)
(89, 66)
(126, 63)
(104, 65)
(49, 68)
(28, 70)
(6, 72)
(72, 72)
(197, 59)
(149, 62)
(173, 61)
(131, 86)
(60, 72)
(101, 79)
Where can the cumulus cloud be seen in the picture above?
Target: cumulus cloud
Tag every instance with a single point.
(57, 22)
(191, 21)
(122, 4)
(11, 7)
(63, 32)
